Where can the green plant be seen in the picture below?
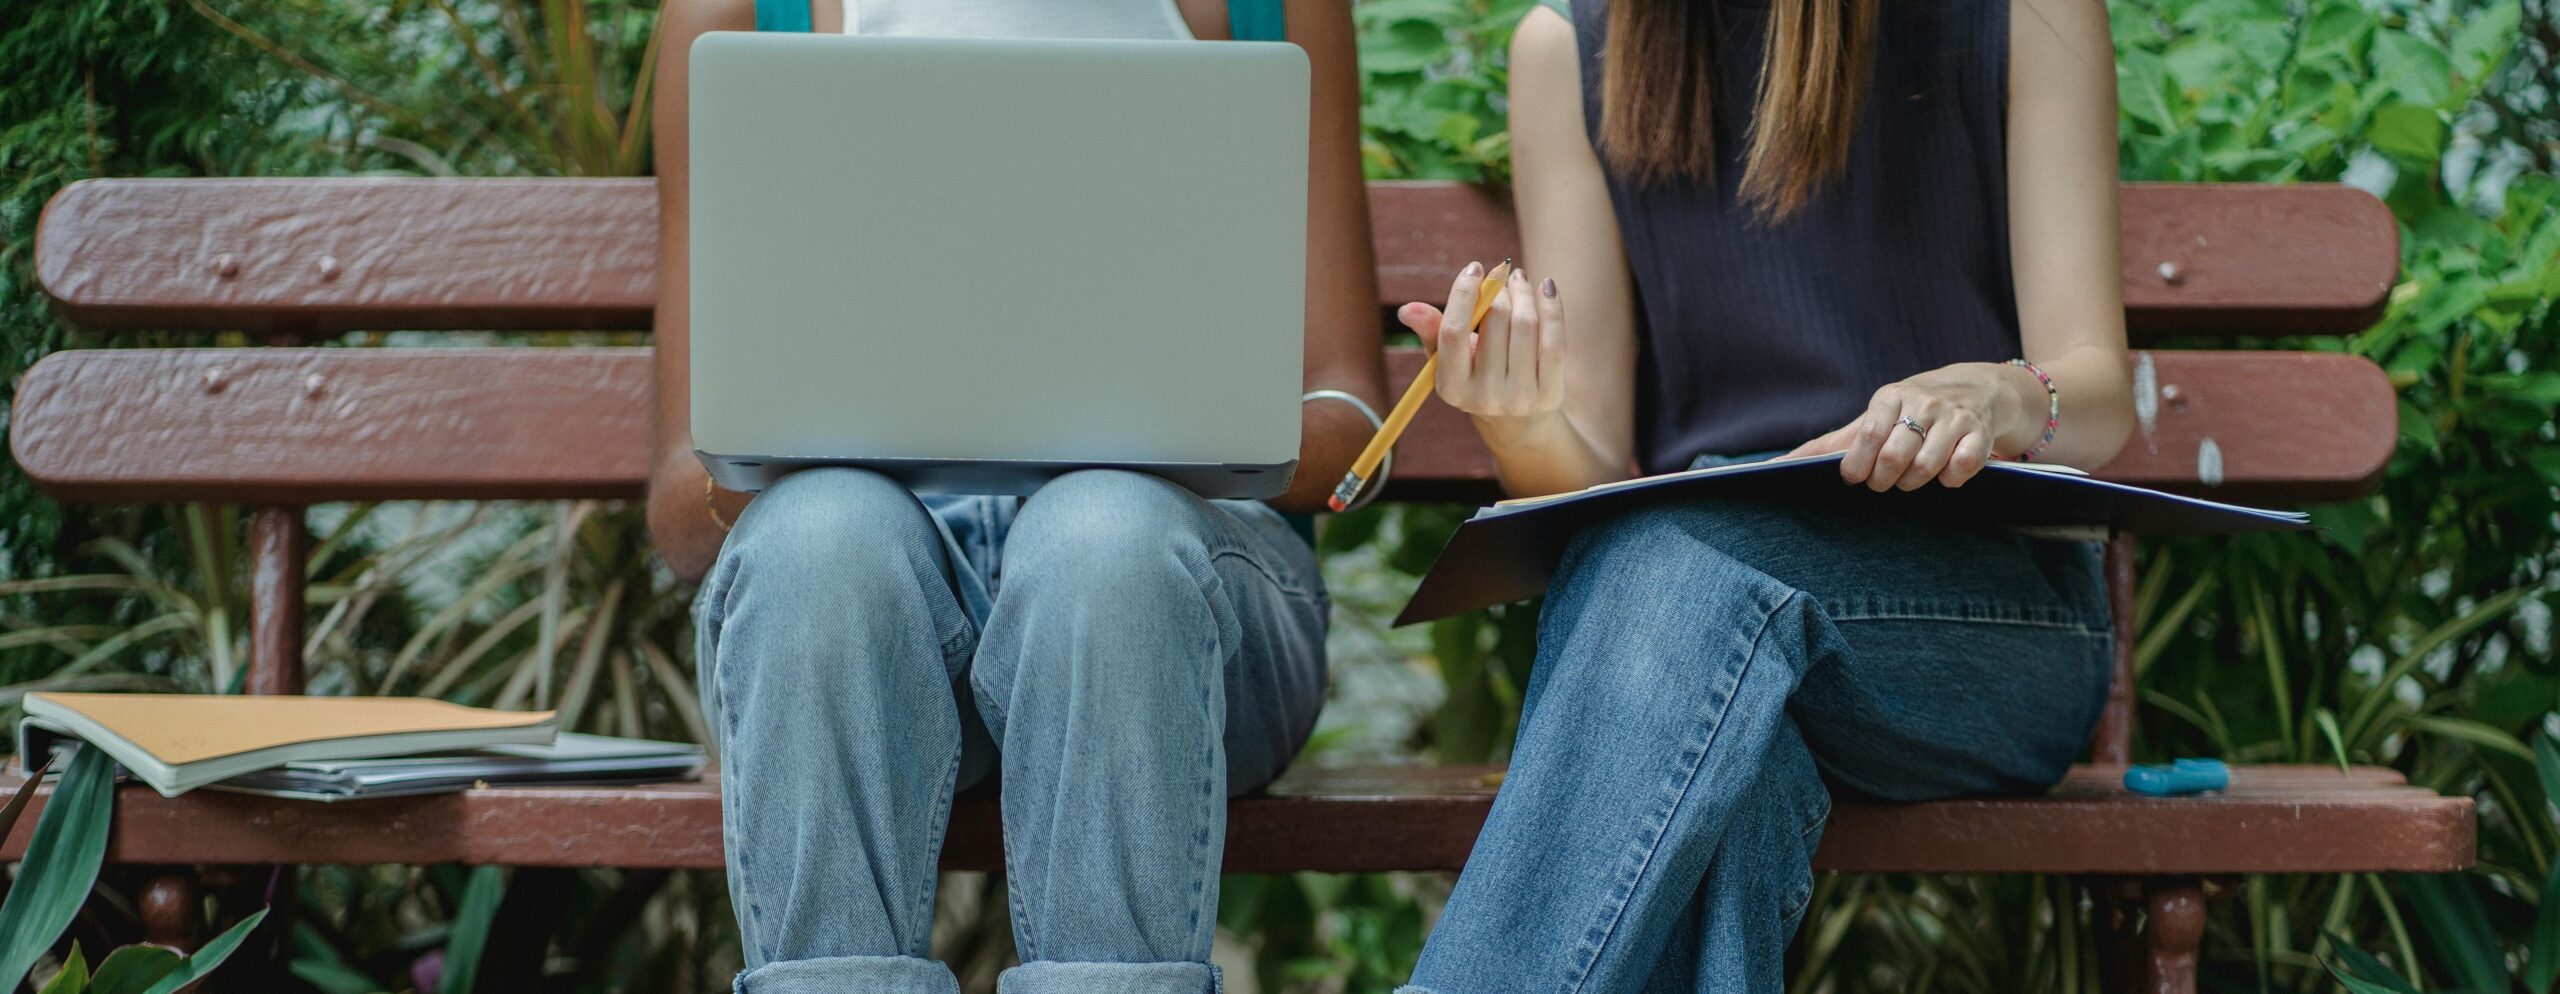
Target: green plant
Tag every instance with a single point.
(2455, 915)
(2413, 633)
(54, 880)
(1432, 80)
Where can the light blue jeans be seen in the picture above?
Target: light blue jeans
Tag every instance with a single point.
(1123, 654)
(1702, 671)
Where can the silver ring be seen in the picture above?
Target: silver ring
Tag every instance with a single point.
(1914, 424)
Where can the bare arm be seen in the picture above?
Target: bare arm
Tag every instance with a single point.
(1342, 330)
(1554, 399)
(687, 537)
(2065, 239)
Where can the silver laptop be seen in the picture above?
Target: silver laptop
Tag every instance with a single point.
(976, 264)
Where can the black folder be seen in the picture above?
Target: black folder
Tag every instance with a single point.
(1506, 552)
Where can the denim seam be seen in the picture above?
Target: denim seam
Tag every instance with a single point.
(716, 611)
(1203, 875)
(1810, 833)
(1695, 757)
(940, 813)
(1905, 608)
(2075, 627)
(1205, 578)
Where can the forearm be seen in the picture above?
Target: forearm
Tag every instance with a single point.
(1331, 434)
(1547, 454)
(679, 521)
(2094, 385)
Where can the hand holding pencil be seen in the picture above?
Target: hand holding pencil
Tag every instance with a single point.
(1486, 377)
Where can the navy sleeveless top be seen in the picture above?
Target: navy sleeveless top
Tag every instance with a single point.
(1755, 336)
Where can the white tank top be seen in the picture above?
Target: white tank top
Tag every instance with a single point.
(1139, 19)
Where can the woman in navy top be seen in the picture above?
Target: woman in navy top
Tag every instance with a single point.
(1769, 226)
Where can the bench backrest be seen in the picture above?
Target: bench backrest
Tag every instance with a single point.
(291, 258)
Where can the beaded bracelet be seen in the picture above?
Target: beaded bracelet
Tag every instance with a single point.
(2052, 409)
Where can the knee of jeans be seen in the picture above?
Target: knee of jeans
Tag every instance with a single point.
(831, 526)
(826, 557)
(1107, 537)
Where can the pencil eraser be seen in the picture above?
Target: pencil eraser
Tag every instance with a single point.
(1336, 504)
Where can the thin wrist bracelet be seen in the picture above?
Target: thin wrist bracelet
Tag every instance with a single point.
(1386, 463)
(711, 502)
(2052, 410)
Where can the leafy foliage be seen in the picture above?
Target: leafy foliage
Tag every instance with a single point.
(2413, 633)
(1432, 85)
(62, 860)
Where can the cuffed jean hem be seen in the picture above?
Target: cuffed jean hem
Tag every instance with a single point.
(839, 974)
(1049, 977)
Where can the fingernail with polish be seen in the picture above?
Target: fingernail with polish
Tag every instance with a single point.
(1548, 288)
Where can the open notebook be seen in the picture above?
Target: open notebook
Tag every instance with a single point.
(1507, 551)
(177, 742)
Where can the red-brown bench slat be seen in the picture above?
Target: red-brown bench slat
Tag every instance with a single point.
(2274, 819)
(324, 255)
(307, 425)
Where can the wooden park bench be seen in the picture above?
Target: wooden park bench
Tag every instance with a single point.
(280, 428)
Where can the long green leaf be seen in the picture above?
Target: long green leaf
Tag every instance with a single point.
(2279, 677)
(2452, 915)
(2546, 762)
(61, 863)
(470, 934)
(204, 960)
(2360, 722)
(2360, 972)
(26, 792)
(2328, 725)
(2542, 952)
(72, 978)
(2467, 730)
(133, 969)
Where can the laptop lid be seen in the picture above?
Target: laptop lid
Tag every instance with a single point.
(927, 254)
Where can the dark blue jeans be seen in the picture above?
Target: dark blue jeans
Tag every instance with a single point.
(1707, 676)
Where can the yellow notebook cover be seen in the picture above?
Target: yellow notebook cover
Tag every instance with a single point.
(176, 741)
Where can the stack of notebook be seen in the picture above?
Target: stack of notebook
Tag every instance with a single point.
(337, 748)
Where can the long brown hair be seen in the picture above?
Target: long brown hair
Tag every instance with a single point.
(1659, 97)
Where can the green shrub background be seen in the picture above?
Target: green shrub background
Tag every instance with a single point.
(2416, 632)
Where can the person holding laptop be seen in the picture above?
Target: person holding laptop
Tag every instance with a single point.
(1120, 652)
(1755, 228)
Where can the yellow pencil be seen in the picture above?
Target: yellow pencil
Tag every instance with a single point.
(1411, 403)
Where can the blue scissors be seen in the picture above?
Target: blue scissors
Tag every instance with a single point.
(2177, 779)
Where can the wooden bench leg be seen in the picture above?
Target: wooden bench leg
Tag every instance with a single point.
(2173, 930)
(172, 911)
(2115, 913)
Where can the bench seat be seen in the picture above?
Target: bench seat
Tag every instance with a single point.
(2273, 819)
(280, 428)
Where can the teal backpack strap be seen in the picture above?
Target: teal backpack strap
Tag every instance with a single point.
(782, 15)
(1257, 20)
(1564, 7)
